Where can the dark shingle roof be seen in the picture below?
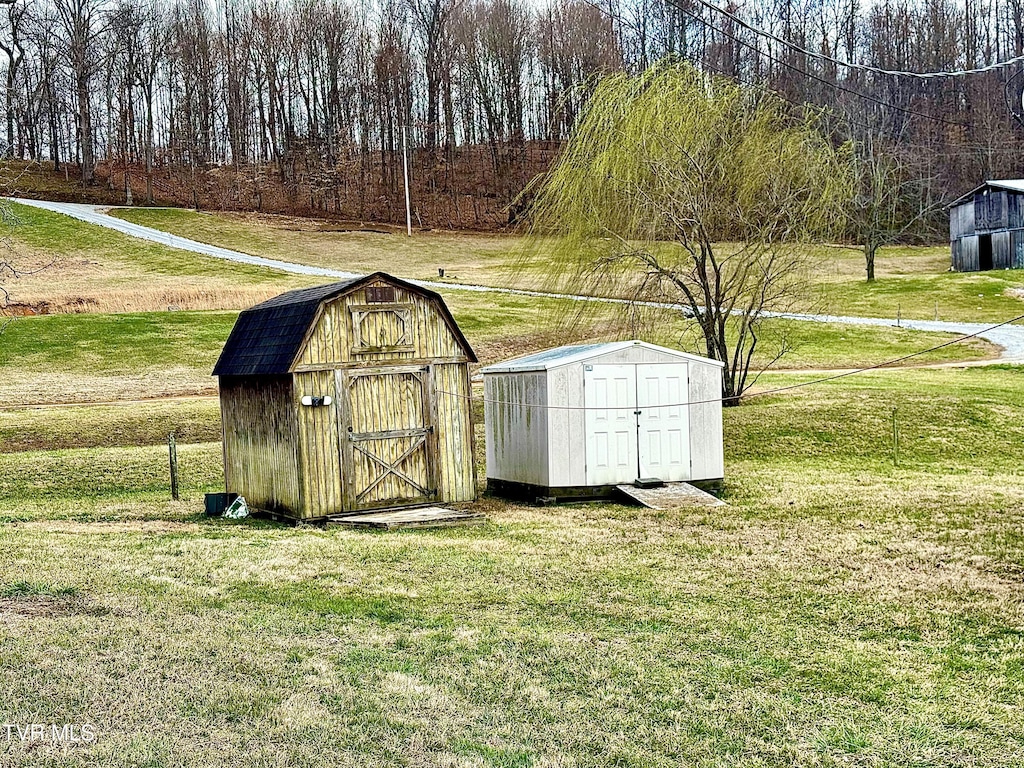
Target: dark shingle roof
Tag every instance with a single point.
(267, 337)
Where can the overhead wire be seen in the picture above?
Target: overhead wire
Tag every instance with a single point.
(920, 75)
(761, 393)
(958, 151)
(836, 86)
(850, 65)
(811, 75)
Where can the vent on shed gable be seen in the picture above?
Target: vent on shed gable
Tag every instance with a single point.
(380, 293)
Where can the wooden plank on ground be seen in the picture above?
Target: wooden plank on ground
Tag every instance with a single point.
(420, 517)
(669, 496)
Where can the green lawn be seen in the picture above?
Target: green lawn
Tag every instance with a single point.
(912, 281)
(850, 607)
(116, 343)
(841, 611)
(100, 270)
(129, 356)
(983, 297)
(56, 233)
(193, 420)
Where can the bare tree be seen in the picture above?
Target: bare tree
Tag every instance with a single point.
(84, 22)
(893, 199)
(12, 47)
(152, 36)
(308, 97)
(432, 20)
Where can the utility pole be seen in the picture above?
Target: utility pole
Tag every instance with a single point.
(405, 168)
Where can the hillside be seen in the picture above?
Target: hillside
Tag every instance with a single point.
(456, 190)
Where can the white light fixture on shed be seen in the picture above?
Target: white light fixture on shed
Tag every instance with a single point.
(309, 400)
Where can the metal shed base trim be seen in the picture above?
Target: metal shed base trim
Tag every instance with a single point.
(543, 494)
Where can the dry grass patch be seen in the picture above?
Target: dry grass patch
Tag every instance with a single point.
(31, 388)
(562, 635)
(466, 257)
(912, 281)
(69, 266)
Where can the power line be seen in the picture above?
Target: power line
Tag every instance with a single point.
(863, 67)
(759, 52)
(763, 393)
(820, 79)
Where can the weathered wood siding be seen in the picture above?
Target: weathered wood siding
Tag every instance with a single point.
(389, 419)
(388, 437)
(377, 415)
(961, 220)
(965, 254)
(1017, 248)
(1001, 254)
(990, 210)
(517, 434)
(995, 213)
(320, 455)
(1015, 213)
(456, 464)
(261, 445)
(351, 330)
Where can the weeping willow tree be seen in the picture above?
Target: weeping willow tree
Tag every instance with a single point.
(681, 188)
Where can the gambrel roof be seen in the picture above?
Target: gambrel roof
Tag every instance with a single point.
(267, 338)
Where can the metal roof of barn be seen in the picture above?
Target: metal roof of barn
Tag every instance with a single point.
(559, 356)
(267, 338)
(1012, 185)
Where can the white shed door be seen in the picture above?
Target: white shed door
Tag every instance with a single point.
(637, 422)
(609, 396)
(664, 433)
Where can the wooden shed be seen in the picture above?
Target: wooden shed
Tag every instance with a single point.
(576, 421)
(347, 397)
(986, 227)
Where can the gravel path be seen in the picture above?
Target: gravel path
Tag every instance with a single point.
(1009, 337)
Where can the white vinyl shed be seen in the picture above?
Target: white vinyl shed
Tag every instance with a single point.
(576, 421)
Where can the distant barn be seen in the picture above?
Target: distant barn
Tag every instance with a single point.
(986, 227)
(574, 422)
(347, 397)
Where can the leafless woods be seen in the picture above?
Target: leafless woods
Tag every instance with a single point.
(315, 96)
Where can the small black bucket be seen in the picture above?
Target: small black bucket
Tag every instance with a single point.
(216, 503)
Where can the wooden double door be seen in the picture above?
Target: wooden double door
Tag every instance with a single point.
(388, 445)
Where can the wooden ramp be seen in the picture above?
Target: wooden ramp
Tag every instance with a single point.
(669, 496)
(420, 517)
